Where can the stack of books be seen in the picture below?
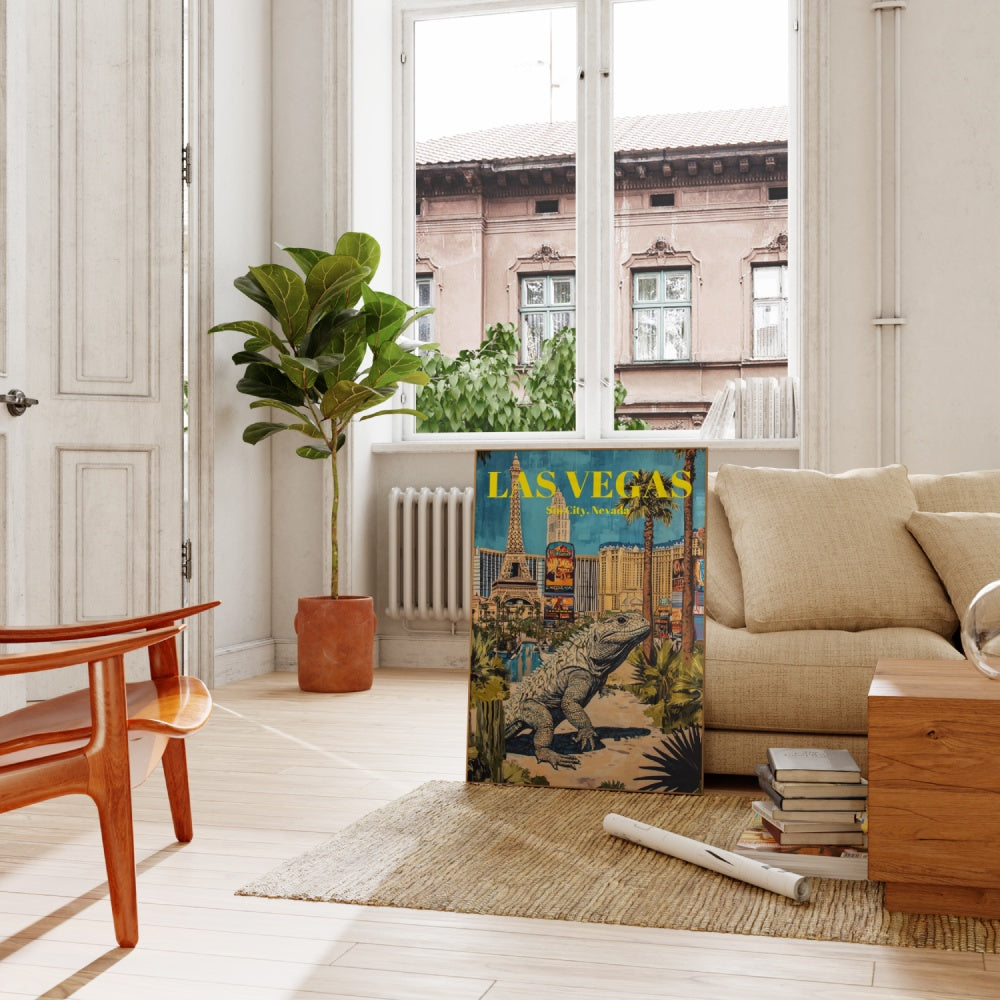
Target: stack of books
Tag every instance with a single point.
(814, 812)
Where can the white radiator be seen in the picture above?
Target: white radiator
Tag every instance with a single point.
(430, 553)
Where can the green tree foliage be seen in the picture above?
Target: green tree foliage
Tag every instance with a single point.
(488, 389)
(670, 684)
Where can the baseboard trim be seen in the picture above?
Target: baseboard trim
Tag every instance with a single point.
(243, 660)
(417, 650)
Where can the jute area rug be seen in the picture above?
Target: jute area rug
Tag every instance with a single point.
(541, 852)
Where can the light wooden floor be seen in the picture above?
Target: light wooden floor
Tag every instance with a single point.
(274, 773)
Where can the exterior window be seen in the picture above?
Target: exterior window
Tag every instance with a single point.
(661, 315)
(770, 311)
(425, 297)
(548, 304)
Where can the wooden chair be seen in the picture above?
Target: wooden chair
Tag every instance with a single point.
(106, 739)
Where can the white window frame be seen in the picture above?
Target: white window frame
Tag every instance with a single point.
(424, 325)
(595, 264)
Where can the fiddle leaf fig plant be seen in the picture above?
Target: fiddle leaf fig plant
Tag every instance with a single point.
(334, 352)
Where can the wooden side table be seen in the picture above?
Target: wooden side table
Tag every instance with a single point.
(934, 787)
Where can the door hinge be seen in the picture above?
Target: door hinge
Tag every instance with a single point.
(186, 164)
(187, 560)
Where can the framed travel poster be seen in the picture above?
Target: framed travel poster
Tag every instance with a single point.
(588, 618)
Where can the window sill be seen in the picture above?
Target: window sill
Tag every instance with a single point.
(451, 443)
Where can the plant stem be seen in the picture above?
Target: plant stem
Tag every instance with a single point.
(334, 547)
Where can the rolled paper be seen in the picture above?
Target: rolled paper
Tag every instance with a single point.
(715, 859)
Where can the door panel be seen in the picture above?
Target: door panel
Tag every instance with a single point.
(103, 338)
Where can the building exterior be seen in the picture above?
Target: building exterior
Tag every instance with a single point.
(701, 251)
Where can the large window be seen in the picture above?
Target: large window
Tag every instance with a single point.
(661, 311)
(636, 229)
(548, 305)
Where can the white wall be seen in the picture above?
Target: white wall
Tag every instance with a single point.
(242, 230)
(934, 413)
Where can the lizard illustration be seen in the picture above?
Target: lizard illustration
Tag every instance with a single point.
(565, 683)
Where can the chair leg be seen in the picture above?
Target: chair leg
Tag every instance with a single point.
(176, 774)
(115, 812)
(110, 788)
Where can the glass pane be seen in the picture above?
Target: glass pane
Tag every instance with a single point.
(769, 337)
(766, 282)
(494, 124)
(562, 291)
(533, 330)
(675, 334)
(533, 291)
(726, 68)
(646, 335)
(646, 287)
(677, 286)
(424, 329)
(423, 293)
(561, 320)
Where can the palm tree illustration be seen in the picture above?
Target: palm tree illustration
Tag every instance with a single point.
(687, 600)
(641, 502)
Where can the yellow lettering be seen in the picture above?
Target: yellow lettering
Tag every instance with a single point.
(494, 490)
(681, 481)
(656, 485)
(522, 482)
(620, 484)
(545, 485)
(602, 485)
(574, 483)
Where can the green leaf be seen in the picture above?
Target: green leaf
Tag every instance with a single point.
(363, 248)
(346, 399)
(250, 287)
(269, 382)
(279, 405)
(301, 371)
(392, 365)
(251, 357)
(335, 283)
(308, 451)
(256, 331)
(305, 258)
(384, 316)
(287, 293)
(259, 431)
(401, 409)
(310, 430)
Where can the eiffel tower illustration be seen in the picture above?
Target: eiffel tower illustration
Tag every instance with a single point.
(515, 584)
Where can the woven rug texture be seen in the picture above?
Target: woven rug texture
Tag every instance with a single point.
(541, 852)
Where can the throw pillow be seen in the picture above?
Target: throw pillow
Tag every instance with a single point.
(970, 491)
(830, 551)
(964, 548)
(723, 583)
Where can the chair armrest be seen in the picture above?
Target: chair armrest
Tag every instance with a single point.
(93, 630)
(93, 652)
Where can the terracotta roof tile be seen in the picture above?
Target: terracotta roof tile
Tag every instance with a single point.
(687, 130)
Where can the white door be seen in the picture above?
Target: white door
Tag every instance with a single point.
(94, 325)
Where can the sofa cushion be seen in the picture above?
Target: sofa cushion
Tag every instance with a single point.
(973, 491)
(964, 548)
(723, 583)
(808, 681)
(820, 551)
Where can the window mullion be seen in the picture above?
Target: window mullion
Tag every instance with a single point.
(595, 223)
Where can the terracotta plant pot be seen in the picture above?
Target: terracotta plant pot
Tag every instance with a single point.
(336, 643)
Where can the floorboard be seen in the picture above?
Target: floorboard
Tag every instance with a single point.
(278, 770)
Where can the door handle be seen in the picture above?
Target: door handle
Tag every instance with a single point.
(17, 402)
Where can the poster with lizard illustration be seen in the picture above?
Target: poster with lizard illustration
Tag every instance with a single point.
(588, 618)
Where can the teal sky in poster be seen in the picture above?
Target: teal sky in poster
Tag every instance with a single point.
(594, 470)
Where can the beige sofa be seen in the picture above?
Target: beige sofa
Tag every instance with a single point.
(812, 578)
